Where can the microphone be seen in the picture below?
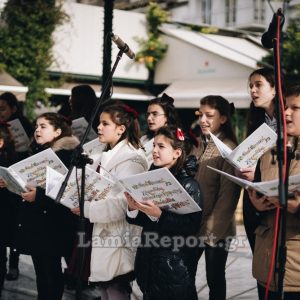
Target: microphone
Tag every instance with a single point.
(122, 46)
(270, 34)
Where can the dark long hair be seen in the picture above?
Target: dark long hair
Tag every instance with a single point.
(12, 102)
(225, 109)
(167, 104)
(170, 132)
(256, 115)
(58, 122)
(122, 114)
(83, 101)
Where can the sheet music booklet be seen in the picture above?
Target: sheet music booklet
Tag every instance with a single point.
(247, 153)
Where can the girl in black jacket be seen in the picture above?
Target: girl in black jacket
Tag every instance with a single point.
(9, 111)
(9, 201)
(47, 230)
(168, 272)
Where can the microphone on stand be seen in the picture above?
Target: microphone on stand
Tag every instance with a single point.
(270, 34)
(122, 46)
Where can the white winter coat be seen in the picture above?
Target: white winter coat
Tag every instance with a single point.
(111, 254)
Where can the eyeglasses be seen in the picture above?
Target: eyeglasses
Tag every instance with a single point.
(153, 115)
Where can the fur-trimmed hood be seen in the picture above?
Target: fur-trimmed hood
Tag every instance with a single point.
(65, 143)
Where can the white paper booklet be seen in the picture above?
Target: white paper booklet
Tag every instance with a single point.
(162, 188)
(247, 153)
(78, 129)
(14, 183)
(19, 134)
(268, 188)
(31, 171)
(94, 150)
(97, 187)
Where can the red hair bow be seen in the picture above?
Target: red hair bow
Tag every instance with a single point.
(179, 134)
(131, 111)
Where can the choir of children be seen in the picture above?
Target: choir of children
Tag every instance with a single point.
(47, 231)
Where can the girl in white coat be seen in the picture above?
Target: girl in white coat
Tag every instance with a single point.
(112, 258)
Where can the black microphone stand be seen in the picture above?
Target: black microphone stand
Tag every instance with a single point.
(283, 185)
(80, 159)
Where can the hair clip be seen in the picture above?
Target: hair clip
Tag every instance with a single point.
(179, 134)
(131, 111)
(4, 124)
(167, 98)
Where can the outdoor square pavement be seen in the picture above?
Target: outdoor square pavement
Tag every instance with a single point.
(240, 283)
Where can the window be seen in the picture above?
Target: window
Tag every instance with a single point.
(206, 11)
(259, 10)
(230, 12)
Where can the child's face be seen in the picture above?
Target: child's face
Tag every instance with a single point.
(210, 119)
(292, 114)
(262, 93)
(45, 132)
(5, 111)
(163, 153)
(156, 117)
(108, 131)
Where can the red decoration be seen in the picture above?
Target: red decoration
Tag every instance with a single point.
(131, 111)
(179, 134)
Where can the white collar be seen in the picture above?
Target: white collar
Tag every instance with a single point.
(108, 155)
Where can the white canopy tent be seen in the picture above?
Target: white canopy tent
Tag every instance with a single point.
(195, 55)
(198, 64)
(187, 93)
(121, 93)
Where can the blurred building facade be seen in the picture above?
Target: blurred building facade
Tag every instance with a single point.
(252, 15)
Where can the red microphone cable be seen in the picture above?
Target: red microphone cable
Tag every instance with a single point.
(274, 248)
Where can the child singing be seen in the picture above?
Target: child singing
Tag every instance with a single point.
(9, 111)
(265, 230)
(8, 203)
(262, 110)
(162, 272)
(112, 266)
(220, 195)
(160, 112)
(46, 230)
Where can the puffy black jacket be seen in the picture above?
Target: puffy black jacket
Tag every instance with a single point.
(45, 227)
(167, 270)
(9, 203)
